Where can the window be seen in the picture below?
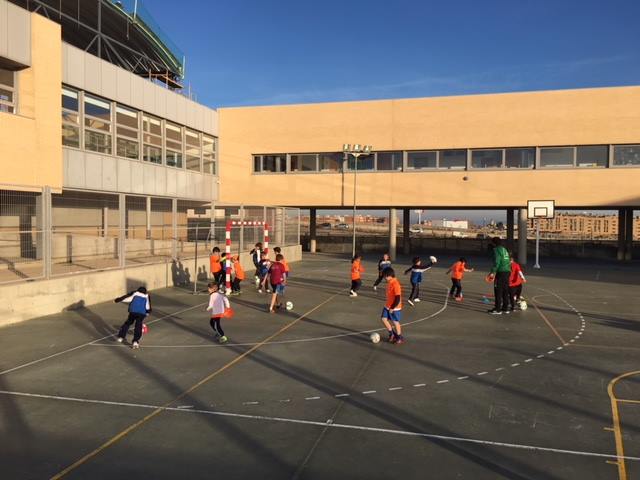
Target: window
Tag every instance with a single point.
(152, 139)
(193, 150)
(556, 157)
(276, 163)
(330, 162)
(7, 91)
(453, 159)
(97, 124)
(418, 160)
(520, 157)
(592, 156)
(626, 155)
(486, 159)
(365, 162)
(209, 154)
(257, 163)
(127, 142)
(173, 144)
(389, 161)
(70, 118)
(304, 163)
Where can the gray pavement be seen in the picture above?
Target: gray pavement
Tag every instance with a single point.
(305, 394)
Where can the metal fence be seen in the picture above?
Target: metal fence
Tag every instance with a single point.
(44, 235)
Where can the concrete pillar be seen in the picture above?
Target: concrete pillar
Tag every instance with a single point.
(510, 229)
(393, 224)
(44, 226)
(312, 229)
(622, 230)
(122, 226)
(174, 227)
(522, 236)
(406, 234)
(105, 222)
(148, 217)
(628, 234)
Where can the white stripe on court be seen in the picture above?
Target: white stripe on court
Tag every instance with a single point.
(363, 428)
(24, 365)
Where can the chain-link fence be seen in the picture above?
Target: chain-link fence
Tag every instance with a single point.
(46, 235)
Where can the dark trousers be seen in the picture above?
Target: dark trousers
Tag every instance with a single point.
(501, 291)
(514, 295)
(235, 285)
(355, 285)
(415, 290)
(378, 280)
(456, 288)
(215, 324)
(136, 318)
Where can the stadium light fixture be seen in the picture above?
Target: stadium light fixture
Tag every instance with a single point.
(356, 150)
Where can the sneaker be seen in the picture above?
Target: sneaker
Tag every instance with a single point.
(223, 339)
(375, 288)
(399, 341)
(119, 339)
(458, 299)
(259, 290)
(493, 311)
(417, 300)
(392, 339)
(353, 294)
(411, 303)
(506, 312)
(135, 345)
(268, 291)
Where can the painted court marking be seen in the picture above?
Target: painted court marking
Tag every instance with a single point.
(363, 428)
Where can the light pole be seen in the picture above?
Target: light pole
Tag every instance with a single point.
(356, 150)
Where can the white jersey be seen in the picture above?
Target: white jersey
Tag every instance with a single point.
(217, 304)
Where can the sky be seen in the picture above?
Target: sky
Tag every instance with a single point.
(264, 52)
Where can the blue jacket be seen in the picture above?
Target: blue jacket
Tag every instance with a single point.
(138, 303)
(416, 272)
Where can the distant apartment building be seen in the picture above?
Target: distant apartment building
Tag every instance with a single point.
(457, 224)
(596, 226)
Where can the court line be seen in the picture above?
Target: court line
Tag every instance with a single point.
(564, 342)
(164, 407)
(617, 424)
(345, 426)
(28, 364)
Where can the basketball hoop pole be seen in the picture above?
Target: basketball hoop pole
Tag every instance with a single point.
(537, 265)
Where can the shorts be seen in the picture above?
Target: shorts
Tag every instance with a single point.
(278, 289)
(394, 316)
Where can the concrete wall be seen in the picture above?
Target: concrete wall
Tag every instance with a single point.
(30, 146)
(25, 300)
(15, 33)
(552, 118)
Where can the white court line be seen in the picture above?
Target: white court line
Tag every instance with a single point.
(363, 428)
(93, 342)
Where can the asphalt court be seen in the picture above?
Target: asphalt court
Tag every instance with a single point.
(549, 393)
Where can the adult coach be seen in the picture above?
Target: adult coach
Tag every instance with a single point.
(500, 273)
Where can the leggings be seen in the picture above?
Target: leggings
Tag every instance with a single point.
(136, 318)
(514, 295)
(355, 285)
(415, 290)
(235, 285)
(501, 291)
(378, 280)
(456, 288)
(215, 324)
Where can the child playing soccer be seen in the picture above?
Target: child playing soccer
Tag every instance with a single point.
(215, 265)
(278, 279)
(392, 311)
(256, 255)
(139, 308)
(516, 280)
(218, 303)
(356, 274)
(457, 271)
(278, 251)
(385, 262)
(263, 272)
(238, 275)
(417, 269)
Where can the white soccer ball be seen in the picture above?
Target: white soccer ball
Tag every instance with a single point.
(433, 259)
(289, 305)
(523, 305)
(375, 337)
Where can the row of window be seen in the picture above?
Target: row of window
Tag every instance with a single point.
(98, 125)
(7, 91)
(588, 156)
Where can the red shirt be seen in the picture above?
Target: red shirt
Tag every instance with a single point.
(515, 279)
(276, 273)
(457, 270)
(393, 290)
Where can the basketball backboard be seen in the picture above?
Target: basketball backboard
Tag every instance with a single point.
(541, 208)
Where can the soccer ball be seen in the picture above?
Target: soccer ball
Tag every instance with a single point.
(523, 305)
(289, 305)
(375, 337)
(433, 259)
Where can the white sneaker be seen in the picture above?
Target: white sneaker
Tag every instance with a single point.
(135, 345)
(411, 303)
(259, 290)
(353, 294)
(119, 339)
(416, 300)
(375, 288)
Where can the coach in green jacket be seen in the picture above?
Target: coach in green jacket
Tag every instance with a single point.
(500, 275)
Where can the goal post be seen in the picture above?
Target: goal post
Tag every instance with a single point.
(227, 235)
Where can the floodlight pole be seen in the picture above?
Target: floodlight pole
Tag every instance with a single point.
(537, 265)
(356, 151)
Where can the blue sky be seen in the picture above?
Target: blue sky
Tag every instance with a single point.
(262, 52)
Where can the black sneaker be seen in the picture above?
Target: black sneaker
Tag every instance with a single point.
(493, 311)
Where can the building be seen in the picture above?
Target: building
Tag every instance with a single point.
(444, 223)
(583, 225)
